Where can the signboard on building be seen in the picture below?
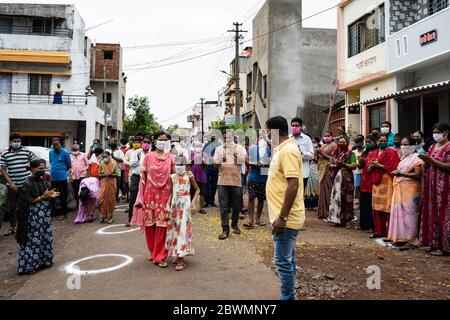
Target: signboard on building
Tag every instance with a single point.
(428, 37)
(230, 120)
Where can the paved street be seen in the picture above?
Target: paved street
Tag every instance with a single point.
(220, 270)
(332, 263)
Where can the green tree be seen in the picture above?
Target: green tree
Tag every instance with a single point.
(172, 128)
(141, 119)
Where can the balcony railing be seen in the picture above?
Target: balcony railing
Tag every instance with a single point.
(24, 98)
(54, 32)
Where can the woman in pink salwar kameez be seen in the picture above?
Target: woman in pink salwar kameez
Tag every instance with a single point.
(403, 226)
(151, 212)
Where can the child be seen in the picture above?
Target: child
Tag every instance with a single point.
(88, 195)
(179, 230)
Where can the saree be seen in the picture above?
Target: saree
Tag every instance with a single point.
(34, 228)
(312, 187)
(342, 195)
(326, 178)
(108, 187)
(322, 164)
(403, 225)
(382, 180)
(435, 229)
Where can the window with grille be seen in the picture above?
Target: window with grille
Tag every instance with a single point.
(367, 32)
(108, 55)
(42, 26)
(437, 5)
(377, 115)
(39, 84)
(107, 97)
(6, 25)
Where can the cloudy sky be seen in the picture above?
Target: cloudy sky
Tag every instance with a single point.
(192, 28)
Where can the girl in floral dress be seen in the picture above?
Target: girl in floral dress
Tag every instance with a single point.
(179, 229)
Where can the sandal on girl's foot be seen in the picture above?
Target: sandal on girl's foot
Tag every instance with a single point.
(150, 259)
(249, 226)
(437, 253)
(180, 266)
(110, 221)
(163, 265)
(261, 224)
(9, 233)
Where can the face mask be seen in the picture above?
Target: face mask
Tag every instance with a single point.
(418, 140)
(146, 147)
(370, 147)
(438, 137)
(95, 146)
(16, 145)
(113, 146)
(343, 147)
(137, 146)
(328, 139)
(398, 144)
(385, 130)
(383, 145)
(161, 145)
(296, 131)
(106, 160)
(180, 170)
(315, 145)
(75, 153)
(40, 173)
(407, 150)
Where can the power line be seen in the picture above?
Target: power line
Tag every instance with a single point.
(172, 44)
(260, 36)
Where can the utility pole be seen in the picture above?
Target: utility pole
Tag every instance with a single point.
(105, 106)
(203, 122)
(237, 71)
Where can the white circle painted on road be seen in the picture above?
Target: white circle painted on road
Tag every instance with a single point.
(71, 269)
(103, 231)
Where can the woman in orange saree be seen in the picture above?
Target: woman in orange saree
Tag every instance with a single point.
(107, 199)
(151, 212)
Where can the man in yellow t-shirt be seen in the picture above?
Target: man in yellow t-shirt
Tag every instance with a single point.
(286, 204)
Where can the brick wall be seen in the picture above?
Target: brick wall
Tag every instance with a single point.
(99, 61)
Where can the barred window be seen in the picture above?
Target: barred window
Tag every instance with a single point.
(437, 5)
(367, 32)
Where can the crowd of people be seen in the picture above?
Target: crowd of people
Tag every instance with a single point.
(398, 182)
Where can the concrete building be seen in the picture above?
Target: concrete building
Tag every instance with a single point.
(293, 68)
(212, 112)
(109, 83)
(393, 63)
(40, 46)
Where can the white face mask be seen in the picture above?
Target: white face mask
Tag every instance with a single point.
(76, 153)
(162, 145)
(385, 130)
(180, 170)
(438, 137)
(407, 150)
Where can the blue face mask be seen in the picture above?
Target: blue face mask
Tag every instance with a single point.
(16, 145)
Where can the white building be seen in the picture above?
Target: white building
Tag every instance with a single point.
(40, 46)
(212, 112)
(394, 63)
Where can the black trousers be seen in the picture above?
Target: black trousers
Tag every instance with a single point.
(230, 201)
(13, 198)
(62, 188)
(212, 176)
(134, 189)
(366, 213)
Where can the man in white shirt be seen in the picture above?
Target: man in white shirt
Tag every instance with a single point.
(135, 159)
(305, 145)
